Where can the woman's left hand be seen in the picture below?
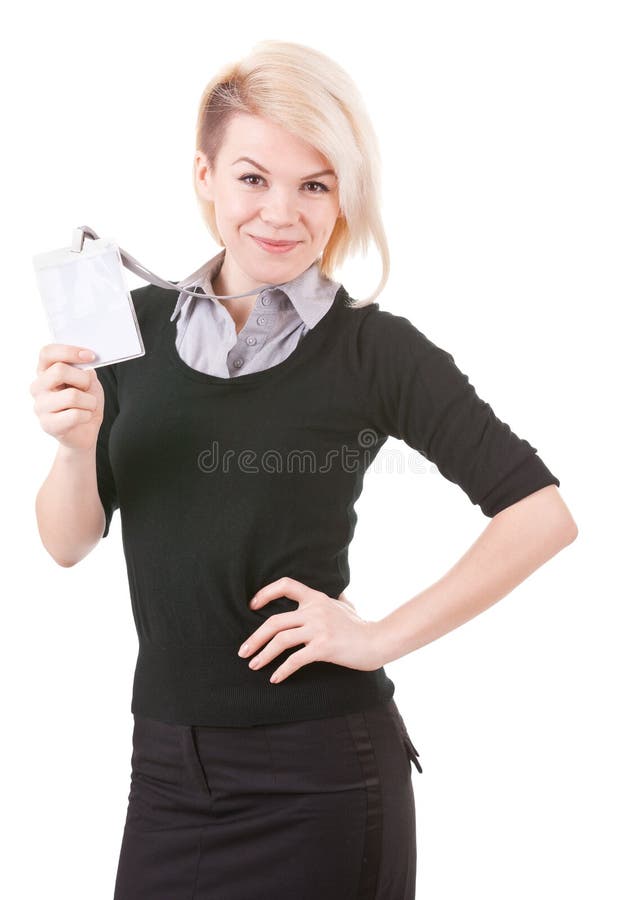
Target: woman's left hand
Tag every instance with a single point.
(330, 629)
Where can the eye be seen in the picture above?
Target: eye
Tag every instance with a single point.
(323, 187)
(245, 177)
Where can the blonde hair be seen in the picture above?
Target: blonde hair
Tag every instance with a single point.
(312, 97)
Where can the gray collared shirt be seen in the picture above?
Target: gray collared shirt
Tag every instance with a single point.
(206, 332)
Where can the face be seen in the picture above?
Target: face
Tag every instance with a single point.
(283, 193)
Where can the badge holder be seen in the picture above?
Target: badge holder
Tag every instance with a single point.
(87, 302)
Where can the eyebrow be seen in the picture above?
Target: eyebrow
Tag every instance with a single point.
(253, 162)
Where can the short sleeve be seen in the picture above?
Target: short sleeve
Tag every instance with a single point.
(419, 395)
(106, 485)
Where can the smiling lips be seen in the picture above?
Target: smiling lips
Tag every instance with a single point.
(275, 246)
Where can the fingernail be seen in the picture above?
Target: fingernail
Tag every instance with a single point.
(87, 354)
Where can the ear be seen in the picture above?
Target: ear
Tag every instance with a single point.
(205, 190)
(204, 184)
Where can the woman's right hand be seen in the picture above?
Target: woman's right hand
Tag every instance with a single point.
(68, 401)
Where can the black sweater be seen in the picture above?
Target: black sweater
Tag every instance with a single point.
(226, 484)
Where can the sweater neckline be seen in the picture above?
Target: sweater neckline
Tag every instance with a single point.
(298, 354)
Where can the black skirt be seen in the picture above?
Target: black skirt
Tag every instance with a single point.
(322, 808)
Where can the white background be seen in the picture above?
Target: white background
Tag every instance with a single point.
(508, 145)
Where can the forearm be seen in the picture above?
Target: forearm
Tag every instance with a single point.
(515, 543)
(68, 508)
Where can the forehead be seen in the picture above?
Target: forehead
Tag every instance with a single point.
(268, 143)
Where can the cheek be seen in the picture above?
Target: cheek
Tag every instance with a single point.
(330, 213)
(327, 224)
(237, 208)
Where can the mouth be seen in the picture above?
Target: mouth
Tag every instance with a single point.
(274, 246)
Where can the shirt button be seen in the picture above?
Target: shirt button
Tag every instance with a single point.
(238, 363)
(251, 341)
(261, 320)
(266, 300)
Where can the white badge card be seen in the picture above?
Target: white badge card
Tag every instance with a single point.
(87, 301)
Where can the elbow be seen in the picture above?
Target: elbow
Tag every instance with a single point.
(566, 530)
(64, 563)
(572, 532)
(546, 514)
(569, 528)
(558, 515)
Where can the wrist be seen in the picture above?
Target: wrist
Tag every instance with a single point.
(377, 641)
(73, 454)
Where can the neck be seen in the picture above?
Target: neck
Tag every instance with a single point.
(230, 279)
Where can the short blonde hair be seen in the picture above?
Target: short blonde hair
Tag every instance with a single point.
(310, 95)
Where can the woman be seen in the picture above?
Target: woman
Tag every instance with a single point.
(269, 756)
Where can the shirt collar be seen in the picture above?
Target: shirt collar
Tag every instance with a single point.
(311, 293)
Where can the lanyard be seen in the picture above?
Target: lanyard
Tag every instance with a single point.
(135, 266)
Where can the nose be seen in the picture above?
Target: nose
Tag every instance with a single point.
(279, 209)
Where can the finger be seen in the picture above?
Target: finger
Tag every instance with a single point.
(69, 398)
(68, 353)
(282, 587)
(267, 631)
(60, 375)
(291, 637)
(293, 662)
(58, 423)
